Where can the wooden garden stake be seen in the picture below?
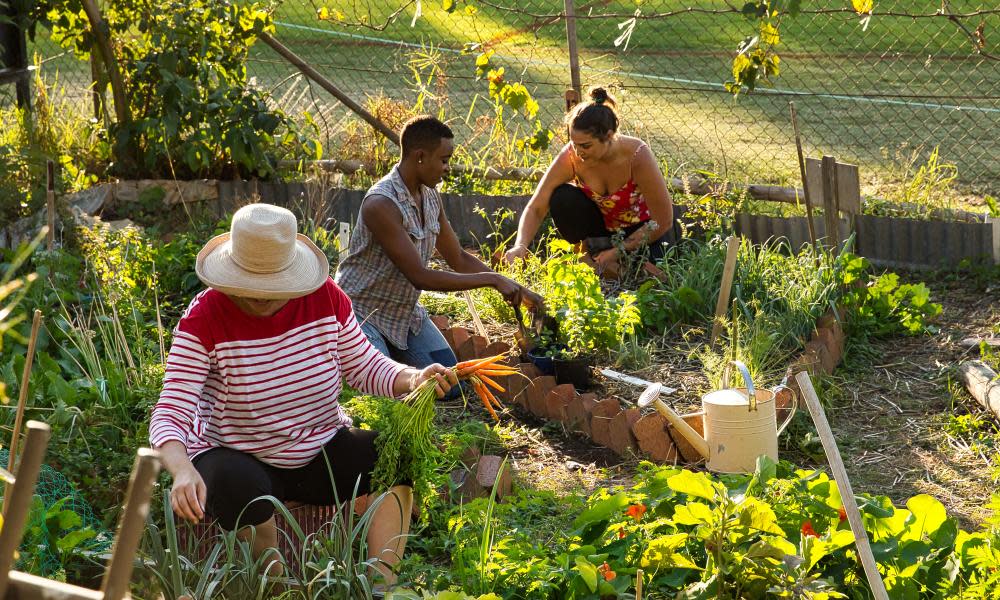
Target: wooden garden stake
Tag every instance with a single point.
(802, 174)
(638, 584)
(844, 485)
(115, 585)
(22, 399)
(50, 203)
(480, 328)
(721, 307)
(17, 500)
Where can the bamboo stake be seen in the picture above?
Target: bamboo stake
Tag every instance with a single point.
(480, 328)
(722, 306)
(844, 485)
(328, 85)
(802, 174)
(22, 399)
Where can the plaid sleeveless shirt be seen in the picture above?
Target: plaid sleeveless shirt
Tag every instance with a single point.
(380, 293)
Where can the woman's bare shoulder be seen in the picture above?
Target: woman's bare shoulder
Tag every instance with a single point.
(630, 143)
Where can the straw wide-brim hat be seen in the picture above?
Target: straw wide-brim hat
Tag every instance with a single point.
(263, 257)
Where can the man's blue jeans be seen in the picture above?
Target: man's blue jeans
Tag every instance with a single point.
(423, 349)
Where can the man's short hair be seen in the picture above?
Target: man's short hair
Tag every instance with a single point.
(423, 132)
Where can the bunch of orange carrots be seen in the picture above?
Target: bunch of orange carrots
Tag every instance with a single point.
(480, 373)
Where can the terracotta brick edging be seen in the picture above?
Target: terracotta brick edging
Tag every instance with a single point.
(624, 429)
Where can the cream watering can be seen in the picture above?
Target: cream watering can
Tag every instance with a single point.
(740, 424)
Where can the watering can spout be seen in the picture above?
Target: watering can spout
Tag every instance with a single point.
(651, 397)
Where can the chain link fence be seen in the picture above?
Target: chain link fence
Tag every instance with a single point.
(922, 75)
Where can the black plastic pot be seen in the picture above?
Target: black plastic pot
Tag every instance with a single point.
(542, 358)
(573, 370)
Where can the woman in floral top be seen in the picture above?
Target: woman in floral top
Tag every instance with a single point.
(601, 184)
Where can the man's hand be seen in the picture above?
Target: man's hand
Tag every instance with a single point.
(518, 252)
(532, 300)
(509, 289)
(187, 496)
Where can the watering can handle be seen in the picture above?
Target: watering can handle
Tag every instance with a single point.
(745, 372)
(791, 413)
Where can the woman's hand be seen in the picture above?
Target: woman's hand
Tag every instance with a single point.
(187, 496)
(444, 377)
(606, 258)
(518, 252)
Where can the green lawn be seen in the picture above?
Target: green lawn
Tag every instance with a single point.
(928, 88)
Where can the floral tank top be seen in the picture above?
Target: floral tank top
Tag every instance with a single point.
(623, 208)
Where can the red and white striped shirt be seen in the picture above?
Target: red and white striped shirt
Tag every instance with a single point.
(267, 386)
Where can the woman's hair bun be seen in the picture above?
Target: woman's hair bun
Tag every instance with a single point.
(599, 117)
(599, 95)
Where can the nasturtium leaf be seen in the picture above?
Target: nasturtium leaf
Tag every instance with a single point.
(662, 552)
(929, 514)
(602, 510)
(587, 571)
(758, 515)
(693, 484)
(693, 513)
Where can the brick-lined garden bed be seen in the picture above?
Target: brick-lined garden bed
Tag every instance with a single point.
(622, 427)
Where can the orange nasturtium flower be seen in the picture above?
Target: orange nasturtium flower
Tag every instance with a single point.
(606, 572)
(842, 514)
(636, 511)
(807, 529)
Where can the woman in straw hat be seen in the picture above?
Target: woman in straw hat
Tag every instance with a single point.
(249, 406)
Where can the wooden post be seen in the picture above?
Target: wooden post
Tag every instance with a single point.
(17, 499)
(802, 174)
(983, 384)
(22, 398)
(831, 211)
(574, 57)
(328, 85)
(50, 203)
(638, 584)
(722, 306)
(14, 50)
(572, 99)
(116, 579)
(843, 484)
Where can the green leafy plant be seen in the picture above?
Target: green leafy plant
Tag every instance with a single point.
(757, 60)
(882, 305)
(192, 112)
(778, 532)
(589, 321)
